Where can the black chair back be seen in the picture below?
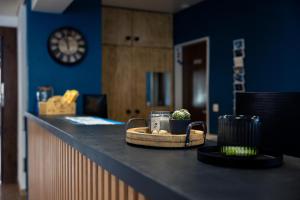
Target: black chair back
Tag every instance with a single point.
(95, 105)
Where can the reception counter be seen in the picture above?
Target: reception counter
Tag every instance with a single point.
(69, 161)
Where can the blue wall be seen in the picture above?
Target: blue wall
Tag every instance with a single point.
(271, 30)
(85, 15)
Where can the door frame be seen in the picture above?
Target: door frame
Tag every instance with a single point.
(178, 74)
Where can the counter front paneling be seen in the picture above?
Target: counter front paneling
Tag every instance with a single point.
(71, 161)
(59, 171)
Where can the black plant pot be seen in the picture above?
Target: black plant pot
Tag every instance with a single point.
(179, 126)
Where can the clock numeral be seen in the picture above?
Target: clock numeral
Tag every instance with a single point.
(81, 50)
(54, 41)
(65, 58)
(72, 59)
(58, 35)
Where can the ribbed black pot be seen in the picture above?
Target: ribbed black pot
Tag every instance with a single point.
(179, 126)
(240, 130)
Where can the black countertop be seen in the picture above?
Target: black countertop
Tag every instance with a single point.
(173, 174)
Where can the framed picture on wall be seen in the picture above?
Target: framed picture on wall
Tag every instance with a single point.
(238, 79)
(240, 87)
(239, 70)
(239, 44)
(239, 53)
(238, 61)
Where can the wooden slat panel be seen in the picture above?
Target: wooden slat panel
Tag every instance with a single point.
(106, 185)
(89, 179)
(58, 171)
(94, 181)
(100, 183)
(131, 193)
(84, 179)
(114, 189)
(73, 173)
(80, 177)
(123, 190)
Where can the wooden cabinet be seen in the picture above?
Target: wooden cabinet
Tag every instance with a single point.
(124, 78)
(116, 26)
(136, 28)
(134, 43)
(116, 80)
(152, 29)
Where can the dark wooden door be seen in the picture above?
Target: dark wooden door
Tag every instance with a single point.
(194, 79)
(9, 107)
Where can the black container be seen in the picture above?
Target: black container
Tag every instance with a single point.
(179, 126)
(239, 135)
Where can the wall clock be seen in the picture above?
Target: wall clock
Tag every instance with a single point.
(67, 46)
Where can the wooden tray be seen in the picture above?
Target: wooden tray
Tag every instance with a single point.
(141, 136)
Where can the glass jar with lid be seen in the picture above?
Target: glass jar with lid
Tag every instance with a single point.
(159, 120)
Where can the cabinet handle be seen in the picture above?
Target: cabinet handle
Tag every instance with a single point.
(136, 38)
(137, 111)
(128, 112)
(128, 38)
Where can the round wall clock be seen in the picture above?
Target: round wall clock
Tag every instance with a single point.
(67, 46)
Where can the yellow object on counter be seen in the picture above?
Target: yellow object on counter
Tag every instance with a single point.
(60, 105)
(70, 96)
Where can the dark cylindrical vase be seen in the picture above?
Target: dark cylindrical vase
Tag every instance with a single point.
(179, 126)
(239, 135)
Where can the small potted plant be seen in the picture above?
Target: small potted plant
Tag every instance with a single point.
(179, 121)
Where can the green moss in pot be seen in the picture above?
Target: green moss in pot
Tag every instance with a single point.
(179, 121)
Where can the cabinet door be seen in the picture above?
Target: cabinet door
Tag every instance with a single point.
(149, 60)
(117, 81)
(116, 26)
(152, 29)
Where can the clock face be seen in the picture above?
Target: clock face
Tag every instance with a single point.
(67, 46)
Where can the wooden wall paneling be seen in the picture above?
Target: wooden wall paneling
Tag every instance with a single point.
(117, 24)
(58, 171)
(152, 29)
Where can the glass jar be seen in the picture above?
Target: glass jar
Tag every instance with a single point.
(239, 135)
(159, 120)
(43, 93)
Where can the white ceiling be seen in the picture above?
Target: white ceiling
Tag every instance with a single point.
(50, 6)
(9, 7)
(170, 6)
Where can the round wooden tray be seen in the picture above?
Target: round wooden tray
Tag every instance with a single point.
(141, 136)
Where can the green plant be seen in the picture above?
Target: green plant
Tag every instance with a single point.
(181, 114)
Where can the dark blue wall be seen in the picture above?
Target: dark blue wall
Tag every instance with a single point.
(271, 30)
(85, 15)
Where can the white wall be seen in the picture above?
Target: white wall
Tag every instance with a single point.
(22, 93)
(8, 21)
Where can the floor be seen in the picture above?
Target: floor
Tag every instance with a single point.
(10, 192)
